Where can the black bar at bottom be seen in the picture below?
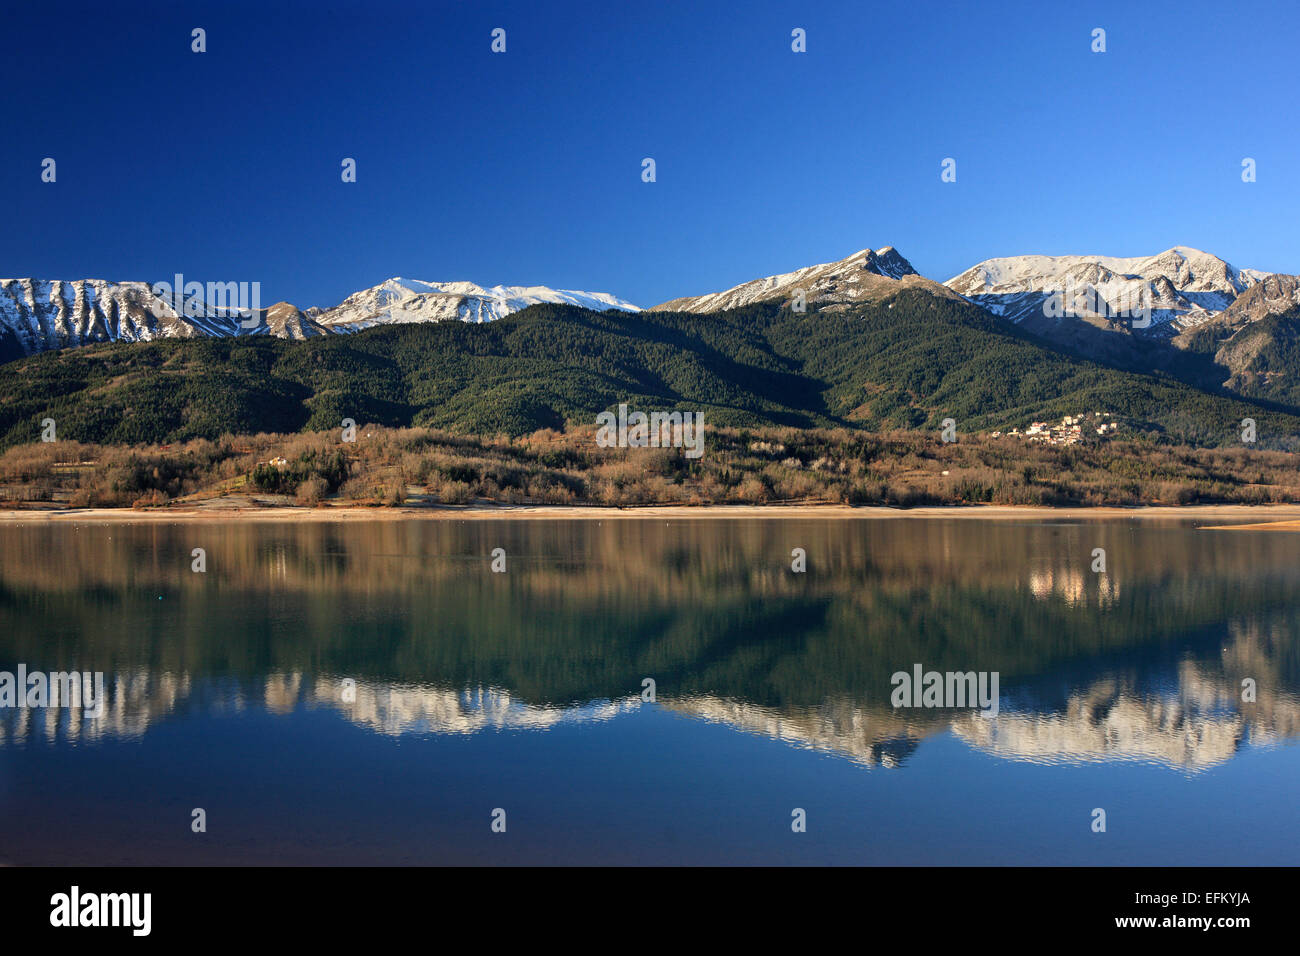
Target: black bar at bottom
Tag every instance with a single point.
(644, 906)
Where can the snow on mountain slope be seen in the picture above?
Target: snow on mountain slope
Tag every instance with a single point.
(38, 314)
(1272, 294)
(286, 321)
(1243, 345)
(1184, 287)
(865, 276)
(1188, 269)
(409, 300)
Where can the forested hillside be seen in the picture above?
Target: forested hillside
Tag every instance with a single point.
(909, 362)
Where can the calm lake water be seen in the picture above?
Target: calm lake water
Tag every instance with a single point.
(230, 691)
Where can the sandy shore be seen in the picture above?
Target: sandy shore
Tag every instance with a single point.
(1287, 525)
(1224, 517)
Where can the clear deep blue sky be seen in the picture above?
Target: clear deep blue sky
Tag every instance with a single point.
(525, 168)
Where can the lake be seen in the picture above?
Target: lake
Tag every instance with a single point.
(373, 692)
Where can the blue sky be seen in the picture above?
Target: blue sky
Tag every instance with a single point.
(525, 168)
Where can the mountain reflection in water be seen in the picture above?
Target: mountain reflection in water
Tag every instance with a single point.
(1144, 662)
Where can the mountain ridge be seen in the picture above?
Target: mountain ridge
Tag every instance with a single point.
(1185, 288)
(398, 300)
(865, 276)
(907, 363)
(1182, 286)
(1206, 321)
(38, 315)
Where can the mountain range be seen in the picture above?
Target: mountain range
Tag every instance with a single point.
(1184, 288)
(39, 314)
(875, 345)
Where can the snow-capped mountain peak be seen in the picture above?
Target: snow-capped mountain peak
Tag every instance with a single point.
(1187, 269)
(400, 300)
(1184, 286)
(866, 276)
(41, 314)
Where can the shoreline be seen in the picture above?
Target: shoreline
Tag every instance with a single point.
(1258, 517)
